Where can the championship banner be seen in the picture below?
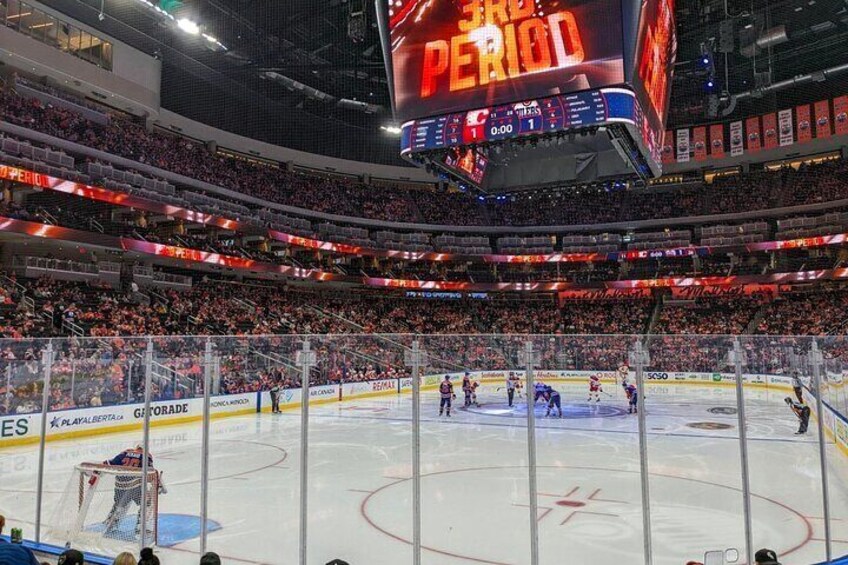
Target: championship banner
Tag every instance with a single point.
(699, 140)
(683, 145)
(739, 291)
(822, 108)
(770, 131)
(785, 130)
(717, 141)
(605, 294)
(752, 126)
(737, 139)
(805, 127)
(840, 115)
(667, 148)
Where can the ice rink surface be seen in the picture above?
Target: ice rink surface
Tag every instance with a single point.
(475, 481)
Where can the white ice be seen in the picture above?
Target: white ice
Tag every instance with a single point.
(475, 481)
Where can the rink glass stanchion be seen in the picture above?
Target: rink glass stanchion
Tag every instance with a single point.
(816, 360)
(416, 358)
(47, 368)
(639, 359)
(204, 462)
(738, 360)
(148, 391)
(305, 359)
(527, 357)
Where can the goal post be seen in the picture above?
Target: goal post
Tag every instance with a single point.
(101, 507)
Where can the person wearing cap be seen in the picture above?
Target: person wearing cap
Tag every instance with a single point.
(766, 557)
(210, 558)
(146, 557)
(71, 557)
(14, 553)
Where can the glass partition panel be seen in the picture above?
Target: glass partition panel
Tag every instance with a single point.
(254, 449)
(834, 421)
(693, 448)
(22, 383)
(783, 449)
(587, 452)
(475, 502)
(359, 450)
(91, 425)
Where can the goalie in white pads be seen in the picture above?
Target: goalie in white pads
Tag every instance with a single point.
(128, 488)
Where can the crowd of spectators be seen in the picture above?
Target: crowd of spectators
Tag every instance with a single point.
(263, 323)
(335, 194)
(729, 316)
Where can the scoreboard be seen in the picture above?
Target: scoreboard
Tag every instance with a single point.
(533, 117)
(485, 74)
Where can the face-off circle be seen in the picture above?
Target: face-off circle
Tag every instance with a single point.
(569, 411)
(480, 515)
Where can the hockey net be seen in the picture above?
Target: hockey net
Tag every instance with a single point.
(102, 507)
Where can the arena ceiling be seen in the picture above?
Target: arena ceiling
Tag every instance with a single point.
(292, 74)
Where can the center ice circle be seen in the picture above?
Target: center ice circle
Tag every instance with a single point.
(480, 515)
(569, 411)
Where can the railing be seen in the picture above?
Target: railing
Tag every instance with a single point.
(58, 265)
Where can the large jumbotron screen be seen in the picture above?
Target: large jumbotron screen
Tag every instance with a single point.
(482, 72)
(450, 55)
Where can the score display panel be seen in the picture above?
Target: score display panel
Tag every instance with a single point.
(468, 72)
(533, 117)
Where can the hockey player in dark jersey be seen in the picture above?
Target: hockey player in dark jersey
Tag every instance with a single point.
(446, 394)
(554, 400)
(128, 487)
(802, 411)
(539, 392)
(467, 388)
(632, 399)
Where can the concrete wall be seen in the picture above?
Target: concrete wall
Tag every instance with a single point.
(133, 85)
(247, 146)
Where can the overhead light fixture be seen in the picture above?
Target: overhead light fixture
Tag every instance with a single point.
(39, 26)
(21, 15)
(188, 26)
(392, 129)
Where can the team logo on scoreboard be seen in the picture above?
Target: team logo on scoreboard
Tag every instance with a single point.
(529, 109)
(475, 122)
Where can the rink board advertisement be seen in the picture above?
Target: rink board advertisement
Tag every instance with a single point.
(62, 424)
(25, 428)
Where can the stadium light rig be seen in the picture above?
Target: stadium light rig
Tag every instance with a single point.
(391, 129)
(185, 25)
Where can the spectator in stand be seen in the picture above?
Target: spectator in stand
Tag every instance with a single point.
(71, 557)
(125, 559)
(210, 558)
(147, 557)
(14, 553)
(348, 196)
(766, 557)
